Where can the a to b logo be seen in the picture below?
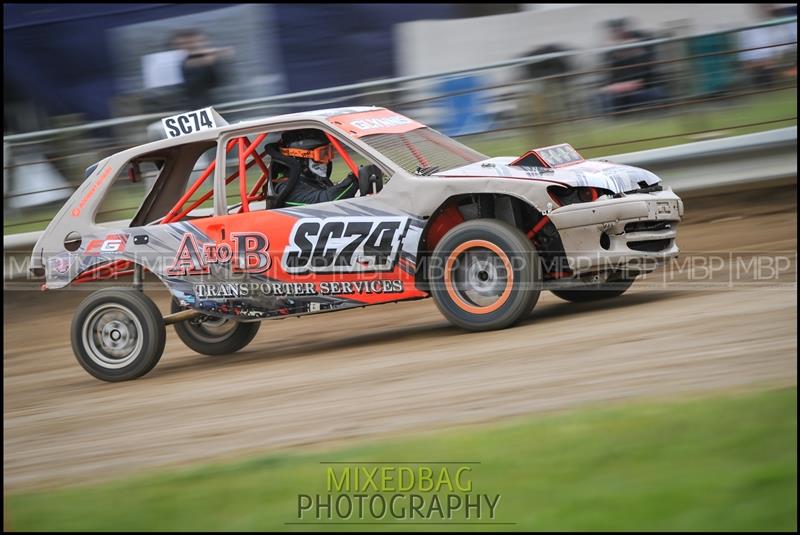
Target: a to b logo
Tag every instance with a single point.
(248, 254)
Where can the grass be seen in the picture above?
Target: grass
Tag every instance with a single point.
(714, 463)
(615, 136)
(622, 134)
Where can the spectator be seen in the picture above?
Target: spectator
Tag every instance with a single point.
(632, 80)
(549, 97)
(162, 78)
(761, 59)
(202, 66)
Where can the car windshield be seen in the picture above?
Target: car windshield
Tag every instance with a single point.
(423, 151)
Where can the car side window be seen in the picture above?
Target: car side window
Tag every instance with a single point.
(263, 176)
(257, 171)
(183, 188)
(340, 167)
(205, 191)
(128, 189)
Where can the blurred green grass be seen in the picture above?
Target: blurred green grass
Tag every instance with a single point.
(726, 462)
(618, 135)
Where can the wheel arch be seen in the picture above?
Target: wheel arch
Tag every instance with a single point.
(507, 207)
(170, 284)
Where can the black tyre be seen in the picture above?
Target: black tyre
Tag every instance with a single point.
(485, 275)
(214, 336)
(613, 287)
(118, 334)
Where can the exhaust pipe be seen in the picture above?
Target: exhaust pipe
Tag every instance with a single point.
(183, 315)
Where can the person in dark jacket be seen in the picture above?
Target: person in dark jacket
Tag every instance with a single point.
(633, 77)
(314, 154)
(201, 67)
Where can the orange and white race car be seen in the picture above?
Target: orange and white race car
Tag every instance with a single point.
(483, 236)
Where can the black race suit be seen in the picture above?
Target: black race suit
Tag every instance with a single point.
(313, 189)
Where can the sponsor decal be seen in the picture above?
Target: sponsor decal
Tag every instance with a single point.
(59, 264)
(102, 178)
(228, 290)
(344, 245)
(248, 253)
(375, 122)
(381, 122)
(113, 243)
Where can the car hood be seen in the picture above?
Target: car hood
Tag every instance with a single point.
(615, 177)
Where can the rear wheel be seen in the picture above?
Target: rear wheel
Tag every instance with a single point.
(214, 336)
(118, 334)
(485, 275)
(613, 287)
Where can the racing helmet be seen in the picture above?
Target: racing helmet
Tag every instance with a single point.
(312, 148)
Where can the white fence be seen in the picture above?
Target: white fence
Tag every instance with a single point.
(528, 103)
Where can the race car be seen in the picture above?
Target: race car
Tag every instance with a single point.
(433, 218)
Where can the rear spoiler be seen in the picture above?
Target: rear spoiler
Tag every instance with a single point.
(554, 156)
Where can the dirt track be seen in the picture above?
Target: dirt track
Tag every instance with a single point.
(396, 367)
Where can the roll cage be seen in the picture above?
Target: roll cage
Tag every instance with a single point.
(246, 139)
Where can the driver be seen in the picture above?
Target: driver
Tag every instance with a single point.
(314, 152)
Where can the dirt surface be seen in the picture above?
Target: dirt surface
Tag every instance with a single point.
(402, 367)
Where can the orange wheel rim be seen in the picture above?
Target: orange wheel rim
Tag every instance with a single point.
(482, 277)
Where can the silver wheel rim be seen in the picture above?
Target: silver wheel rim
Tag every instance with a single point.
(112, 336)
(212, 330)
(479, 277)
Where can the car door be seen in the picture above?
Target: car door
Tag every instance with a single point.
(293, 260)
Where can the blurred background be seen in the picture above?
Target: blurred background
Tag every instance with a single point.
(85, 80)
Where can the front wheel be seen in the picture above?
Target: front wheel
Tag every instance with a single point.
(606, 290)
(214, 336)
(118, 334)
(485, 275)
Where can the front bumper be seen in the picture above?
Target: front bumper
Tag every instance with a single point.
(635, 232)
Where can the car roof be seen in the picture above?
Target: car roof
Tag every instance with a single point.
(317, 115)
(213, 133)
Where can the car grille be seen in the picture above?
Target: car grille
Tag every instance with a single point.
(649, 226)
(650, 246)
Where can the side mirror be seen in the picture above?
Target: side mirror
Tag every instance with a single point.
(134, 173)
(370, 179)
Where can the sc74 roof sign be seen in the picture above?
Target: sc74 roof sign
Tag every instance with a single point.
(191, 122)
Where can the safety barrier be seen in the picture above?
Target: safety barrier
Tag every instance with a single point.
(702, 164)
